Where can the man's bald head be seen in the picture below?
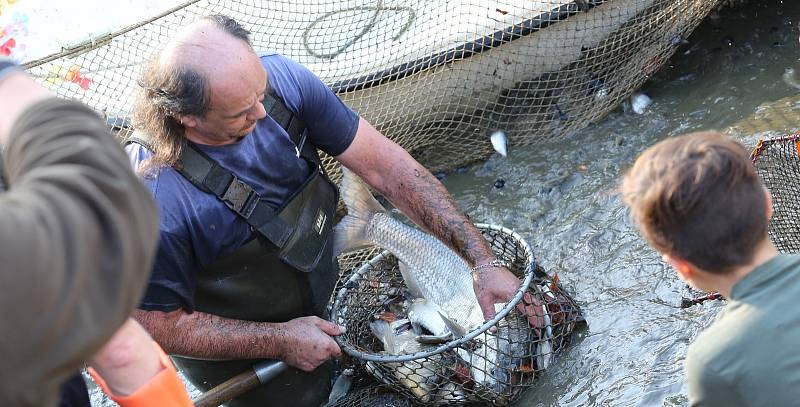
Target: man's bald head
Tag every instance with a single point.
(208, 45)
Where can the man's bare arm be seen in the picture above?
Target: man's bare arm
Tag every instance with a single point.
(303, 342)
(410, 187)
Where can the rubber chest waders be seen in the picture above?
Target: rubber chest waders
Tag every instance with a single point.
(286, 271)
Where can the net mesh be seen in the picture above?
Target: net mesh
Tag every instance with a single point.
(777, 162)
(437, 76)
(489, 367)
(373, 395)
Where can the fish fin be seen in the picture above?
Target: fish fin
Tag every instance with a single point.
(351, 232)
(434, 339)
(383, 331)
(340, 388)
(408, 277)
(457, 330)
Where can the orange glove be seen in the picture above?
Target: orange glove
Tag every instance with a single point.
(164, 389)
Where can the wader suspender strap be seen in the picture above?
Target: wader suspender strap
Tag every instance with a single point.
(209, 176)
(278, 111)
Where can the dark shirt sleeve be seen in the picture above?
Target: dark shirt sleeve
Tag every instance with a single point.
(331, 124)
(78, 233)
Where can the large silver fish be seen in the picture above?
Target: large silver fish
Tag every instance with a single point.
(430, 270)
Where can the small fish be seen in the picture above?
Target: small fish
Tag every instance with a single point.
(512, 344)
(601, 94)
(640, 102)
(419, 376)
(790, 79)
(499, 142)
(450, 393)
(545, 345)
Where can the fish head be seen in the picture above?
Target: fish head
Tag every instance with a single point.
(427, 316)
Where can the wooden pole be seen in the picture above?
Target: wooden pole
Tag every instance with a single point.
(261, 373)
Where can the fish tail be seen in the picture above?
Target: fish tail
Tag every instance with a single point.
(351, 232)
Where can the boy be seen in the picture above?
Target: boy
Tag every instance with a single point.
(698, 201)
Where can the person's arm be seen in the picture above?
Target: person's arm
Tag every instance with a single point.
(78, 232)
(411, 188)
(304, 342)
(134, 371)
(17, 93)
(387, 167)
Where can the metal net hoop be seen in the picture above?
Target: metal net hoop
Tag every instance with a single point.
(491, 363)
(507, 245)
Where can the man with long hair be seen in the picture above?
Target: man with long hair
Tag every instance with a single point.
(245, 267)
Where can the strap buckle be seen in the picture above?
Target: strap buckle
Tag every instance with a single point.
(239, 197)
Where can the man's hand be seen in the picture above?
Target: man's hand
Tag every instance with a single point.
(307, 342)
(496, 285)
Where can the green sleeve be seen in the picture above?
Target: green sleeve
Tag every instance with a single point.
(707, 386)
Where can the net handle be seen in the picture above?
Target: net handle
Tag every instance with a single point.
(352, 282)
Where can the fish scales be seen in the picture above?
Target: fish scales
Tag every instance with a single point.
(439, 274)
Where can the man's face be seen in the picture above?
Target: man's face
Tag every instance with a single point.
(235, 106)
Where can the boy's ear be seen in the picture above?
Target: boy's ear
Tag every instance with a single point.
(684, 269)
(769, 203)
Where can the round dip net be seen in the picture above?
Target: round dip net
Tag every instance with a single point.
(390, 335)
(438, 77)
(777, 161)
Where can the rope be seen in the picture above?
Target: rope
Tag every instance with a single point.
(367, 28)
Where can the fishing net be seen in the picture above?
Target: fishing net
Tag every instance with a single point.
(493, 363)
(438, 77)
(777, 161)
(373, 395)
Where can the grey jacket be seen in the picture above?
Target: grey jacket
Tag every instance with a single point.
(77, 237)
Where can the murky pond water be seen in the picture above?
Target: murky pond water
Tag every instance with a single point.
(561, 198)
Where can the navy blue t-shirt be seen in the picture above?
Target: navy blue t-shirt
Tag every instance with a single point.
(196, 228)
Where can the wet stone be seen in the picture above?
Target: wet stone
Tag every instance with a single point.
(500, 183)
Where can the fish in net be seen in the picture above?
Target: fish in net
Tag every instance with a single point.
(493, 363)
